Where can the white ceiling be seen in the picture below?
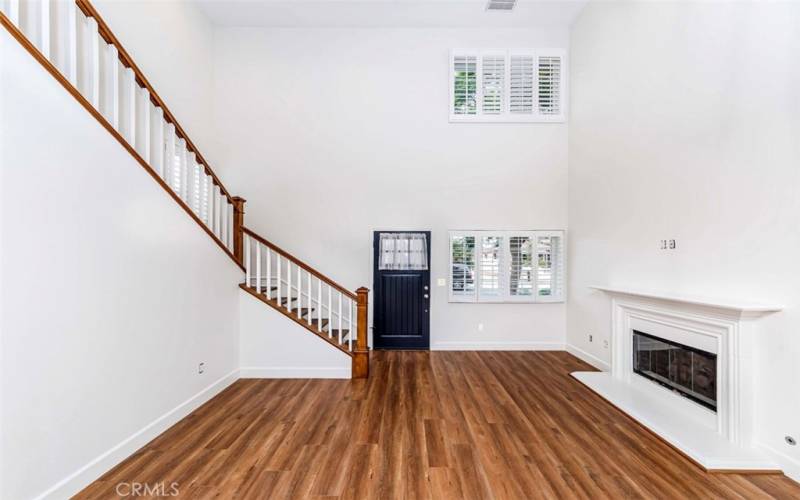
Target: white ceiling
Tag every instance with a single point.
(389, 13)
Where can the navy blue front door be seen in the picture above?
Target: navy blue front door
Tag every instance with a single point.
(401, 300)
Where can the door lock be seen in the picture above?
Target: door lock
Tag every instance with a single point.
(426, 295)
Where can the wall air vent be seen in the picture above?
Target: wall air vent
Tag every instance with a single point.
(500, 4)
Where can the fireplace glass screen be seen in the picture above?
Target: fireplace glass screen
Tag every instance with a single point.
(686, 370)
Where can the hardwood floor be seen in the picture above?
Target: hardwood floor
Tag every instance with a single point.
(425, 425)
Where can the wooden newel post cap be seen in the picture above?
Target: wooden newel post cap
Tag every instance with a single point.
(239, 202)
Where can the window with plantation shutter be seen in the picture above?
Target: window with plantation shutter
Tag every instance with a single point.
(521, 266)
(493, 76)
(518, 85)
(521, 94)
(489, 266)
(507, 266)
(549, 83)
(462, 267)
(465, 85)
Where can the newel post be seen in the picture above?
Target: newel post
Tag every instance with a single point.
(361, 352)
(238, 224)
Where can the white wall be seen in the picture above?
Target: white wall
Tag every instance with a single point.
(110, 294)
(172, 43)
(273, 346)
(685, 121)
(333, 133)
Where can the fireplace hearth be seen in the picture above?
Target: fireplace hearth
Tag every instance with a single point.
(688, 371)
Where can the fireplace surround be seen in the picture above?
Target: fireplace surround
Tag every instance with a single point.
(710, 422)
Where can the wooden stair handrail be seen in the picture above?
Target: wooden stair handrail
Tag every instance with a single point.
(23, 40)
(300, 263)
(88, 9)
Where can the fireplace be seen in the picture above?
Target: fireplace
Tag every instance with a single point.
(688, 371)
(702, 350)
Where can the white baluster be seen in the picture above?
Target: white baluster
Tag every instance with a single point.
(13, 12)
(230, 226)
(269, 274)
(146, 127)
(330, 310)
(299, 291)
(45, 28)
(350, 324)
(319, 304)
(72, 42)
(278, 274)
(258, 266)
(130, 79)
(158, 146)
(217, 210)
(208, 195)
(204, 181)
(310, 302)
(112, 67)
(184, 171)
(191, 181)
(169, 161)
(224, 215)
(247, 263)
(340, 317)
(289, 284)
(94, 61)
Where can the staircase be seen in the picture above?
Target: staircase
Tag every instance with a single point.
(73, 43)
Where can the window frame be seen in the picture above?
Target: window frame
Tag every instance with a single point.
(505, 296)
(506, 116)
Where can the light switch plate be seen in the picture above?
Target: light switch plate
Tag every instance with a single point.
(441, 281)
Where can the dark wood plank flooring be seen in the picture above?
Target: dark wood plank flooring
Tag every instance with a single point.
(443, 425)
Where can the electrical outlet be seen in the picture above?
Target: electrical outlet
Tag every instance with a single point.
(441, 282)
(605, 344)
(480, 327)
(672, 244)
(201, 368)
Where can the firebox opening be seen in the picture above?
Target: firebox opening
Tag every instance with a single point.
(686, 370)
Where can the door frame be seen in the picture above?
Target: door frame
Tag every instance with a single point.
(377, 292)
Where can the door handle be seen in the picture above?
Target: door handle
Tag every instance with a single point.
(426, 295)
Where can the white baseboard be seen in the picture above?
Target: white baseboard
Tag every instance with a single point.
(294, 372)
(789, 466)
(84, 476)
(497, 346)
(589, 358)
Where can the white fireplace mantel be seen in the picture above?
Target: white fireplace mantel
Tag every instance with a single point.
(735, 306)
(721, 440)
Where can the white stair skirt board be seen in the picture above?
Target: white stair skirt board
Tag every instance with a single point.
(708, 449)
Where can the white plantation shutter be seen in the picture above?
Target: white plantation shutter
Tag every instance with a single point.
(490, 257)
(493, 76)
(508, 85)
(521, 266)
(462, 268)
(521, 90)
(549, 85)
(507, 266)
(550, 267)
(465, 86)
